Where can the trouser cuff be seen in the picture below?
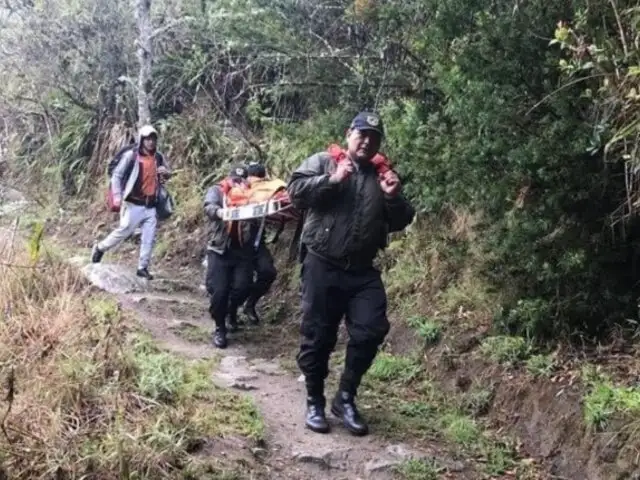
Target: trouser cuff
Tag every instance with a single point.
(315, 388)
(349, 382)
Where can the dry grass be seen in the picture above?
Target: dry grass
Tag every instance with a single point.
(86, 395)
(189, 197)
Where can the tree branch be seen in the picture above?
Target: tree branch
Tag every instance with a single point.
(77, 101)
(159, 31)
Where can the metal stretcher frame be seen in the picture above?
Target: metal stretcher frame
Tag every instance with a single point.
(254, 210)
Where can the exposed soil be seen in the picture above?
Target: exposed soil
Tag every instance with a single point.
(546, 415)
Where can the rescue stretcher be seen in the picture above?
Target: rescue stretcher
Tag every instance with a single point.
(276, 210)
(266, 200)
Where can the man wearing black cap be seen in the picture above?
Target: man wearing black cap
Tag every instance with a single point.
(262, 261)
(350, 210)
(229, 257)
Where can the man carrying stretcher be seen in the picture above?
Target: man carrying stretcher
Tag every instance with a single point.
(353, 200)
(230, 254)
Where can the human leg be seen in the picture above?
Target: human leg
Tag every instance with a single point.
(147, 241)
(130, 217)
(265, 276)
(367, 325)
(322, 307)
(218, 284)
(241, 278)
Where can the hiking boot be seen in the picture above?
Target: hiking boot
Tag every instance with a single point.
(96, 254)
(144, 273)
(250, 311)
(316, 420)
(220, 338)
(232, 322)
(344, 407)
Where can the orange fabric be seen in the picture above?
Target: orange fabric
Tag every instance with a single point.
(252, 192)
(263, 190)
(256, 190)
(225, 185)
(380, 161)
(234, 193)
(148, 175)
(237, 196)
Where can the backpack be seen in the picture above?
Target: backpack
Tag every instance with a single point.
(113, 163)
(165, 205)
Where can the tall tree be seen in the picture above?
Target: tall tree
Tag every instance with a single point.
(145, 57)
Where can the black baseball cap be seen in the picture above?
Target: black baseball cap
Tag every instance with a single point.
(368, 121)
(238, 171)
(256, 170)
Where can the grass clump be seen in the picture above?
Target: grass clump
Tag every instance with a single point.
(88, 395)
(400, 401)
(477, 401)
(192, 333)
(459, 428)
(605, 401)
(506, 350)
(419, 470)
(428, 329)
(541, 365)
(392, 368)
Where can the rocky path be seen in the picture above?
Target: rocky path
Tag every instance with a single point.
(164, 307)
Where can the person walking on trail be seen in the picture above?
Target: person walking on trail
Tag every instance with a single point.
(263, 264)
(229, 257)
(135, 182)
(350, 209)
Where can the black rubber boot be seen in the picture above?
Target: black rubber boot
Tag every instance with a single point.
(232, 322)
(344, 407)
(96, 254)
(144, 273)
(220, 338)
(316, 420)
(250, 311)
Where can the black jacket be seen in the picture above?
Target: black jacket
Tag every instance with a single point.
(345, 222)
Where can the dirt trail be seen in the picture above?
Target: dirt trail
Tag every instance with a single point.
(293, 452)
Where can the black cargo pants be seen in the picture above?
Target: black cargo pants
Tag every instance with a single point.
(265, 274)
(329, 293)
(228, 282)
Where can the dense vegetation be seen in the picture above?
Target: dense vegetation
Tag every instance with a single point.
(519, 117)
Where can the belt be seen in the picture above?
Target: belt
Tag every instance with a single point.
(148, 201)
(345, 263)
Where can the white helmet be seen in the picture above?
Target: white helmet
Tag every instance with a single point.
(146, 131)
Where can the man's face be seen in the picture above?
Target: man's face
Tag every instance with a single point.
(149, 143)
(363, 144)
